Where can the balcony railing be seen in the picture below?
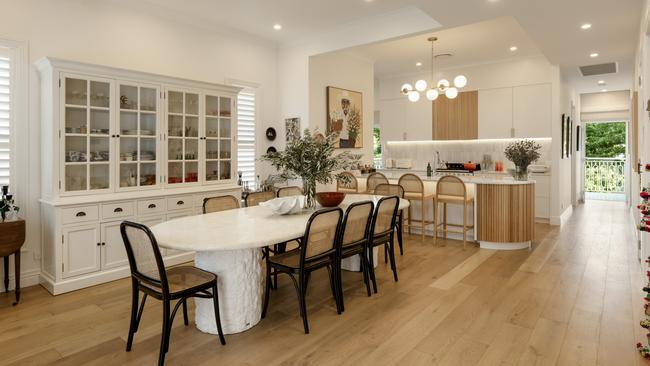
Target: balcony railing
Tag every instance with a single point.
(604, 175)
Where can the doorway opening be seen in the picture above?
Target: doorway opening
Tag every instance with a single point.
(605, 151)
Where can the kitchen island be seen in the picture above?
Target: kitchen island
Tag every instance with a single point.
(503, 211)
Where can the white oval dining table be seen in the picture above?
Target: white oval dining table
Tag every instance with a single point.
(228, 244)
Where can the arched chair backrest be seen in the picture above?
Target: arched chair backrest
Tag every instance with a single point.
(373, 180)
(383, 221)
(452, 186)
(145, 260)
(321, 235)
(290, 191)
(412, 184)
(220, 203)
(347, 182)
(387, 189)
(255, 198)
(356, 224)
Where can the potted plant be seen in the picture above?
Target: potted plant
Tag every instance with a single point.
(354, 125)
(311, 158)
(522, 153)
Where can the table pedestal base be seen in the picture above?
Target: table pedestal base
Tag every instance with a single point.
(240, 283)
(353, 263)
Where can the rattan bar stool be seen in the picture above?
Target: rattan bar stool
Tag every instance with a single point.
(414, 191)
(373, 180)
(452, 190)
(351, 186)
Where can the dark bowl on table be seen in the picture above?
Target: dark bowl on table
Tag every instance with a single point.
(330, 199)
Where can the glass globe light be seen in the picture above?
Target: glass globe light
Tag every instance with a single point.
(432, 94)
(443, 84)
(406, 88)
(451, 93)
(460, 81)
(420, 85)
(413, 96)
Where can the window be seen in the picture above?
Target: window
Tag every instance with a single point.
(246, 135)
(5, 114)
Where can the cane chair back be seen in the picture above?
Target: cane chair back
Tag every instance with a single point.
(220, 203)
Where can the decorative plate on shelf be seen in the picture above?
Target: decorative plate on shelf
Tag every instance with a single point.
(270, 133)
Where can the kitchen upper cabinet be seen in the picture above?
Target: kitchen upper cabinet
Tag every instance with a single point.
(495, 113)
(521, 111)
(455, 119)
(531, 110)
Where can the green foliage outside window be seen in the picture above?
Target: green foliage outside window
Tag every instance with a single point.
(605, 140)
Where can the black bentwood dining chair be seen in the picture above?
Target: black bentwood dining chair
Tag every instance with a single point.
(394, 190)
(317, 250)
(148, 274)
(381, 233)
(353, 239)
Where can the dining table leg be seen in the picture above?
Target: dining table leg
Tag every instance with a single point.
(240, 283)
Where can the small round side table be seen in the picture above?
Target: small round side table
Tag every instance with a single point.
(12, 238)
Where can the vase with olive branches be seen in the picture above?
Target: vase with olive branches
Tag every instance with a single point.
(312, 158)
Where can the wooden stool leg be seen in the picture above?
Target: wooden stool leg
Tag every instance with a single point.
(6, 263)
(422, 219)
(17, 272)
(464, 224)
(434, 204)
(444, 220)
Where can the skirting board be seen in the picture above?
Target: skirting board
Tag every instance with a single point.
(563, 218)
(27, 278)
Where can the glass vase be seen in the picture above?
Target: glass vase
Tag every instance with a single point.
(520, 173)
(309, 189)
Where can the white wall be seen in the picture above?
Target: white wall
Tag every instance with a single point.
(107, 33)
(605, 106)
(347, 71)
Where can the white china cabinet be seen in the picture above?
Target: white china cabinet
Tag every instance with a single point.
(124, 145)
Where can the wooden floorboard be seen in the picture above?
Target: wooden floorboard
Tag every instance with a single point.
(574, 299)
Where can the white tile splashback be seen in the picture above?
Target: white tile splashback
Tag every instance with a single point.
(423, 152)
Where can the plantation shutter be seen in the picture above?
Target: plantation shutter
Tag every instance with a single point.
(246, 134)
(5, 115)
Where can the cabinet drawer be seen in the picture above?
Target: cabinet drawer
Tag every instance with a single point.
(72, 215)
(151, 206)
(180, 203)
(117, 210)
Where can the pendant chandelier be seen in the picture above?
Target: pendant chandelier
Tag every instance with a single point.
(432, 91)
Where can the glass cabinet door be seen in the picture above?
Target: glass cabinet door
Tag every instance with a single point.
(137, 132)
(218, 138)
(86, 134)
(182, 137)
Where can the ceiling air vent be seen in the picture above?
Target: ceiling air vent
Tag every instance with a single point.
(590, 70)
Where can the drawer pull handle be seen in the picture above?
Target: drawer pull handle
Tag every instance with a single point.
(180, 203)
(119, 209)
(80, 214)
(153, 205)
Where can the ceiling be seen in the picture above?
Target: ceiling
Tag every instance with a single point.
(487, 41)
(551, 26)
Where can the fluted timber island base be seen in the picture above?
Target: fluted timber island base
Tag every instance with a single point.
(505, 215)
(240, 280)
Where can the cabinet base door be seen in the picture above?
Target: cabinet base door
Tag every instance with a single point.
(81, 250)
(113, 249)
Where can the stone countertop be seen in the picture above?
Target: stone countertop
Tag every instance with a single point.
(473, 179)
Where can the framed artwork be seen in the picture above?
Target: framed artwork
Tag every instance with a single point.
(569, 136)
(292, 129)
(345, 116)
(578, 138)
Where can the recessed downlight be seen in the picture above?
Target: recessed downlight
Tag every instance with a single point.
(603, 90)
(593, 54)
(513, 48)
(585, 26)
(601, 82)
(277, 26)
(418, 64)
